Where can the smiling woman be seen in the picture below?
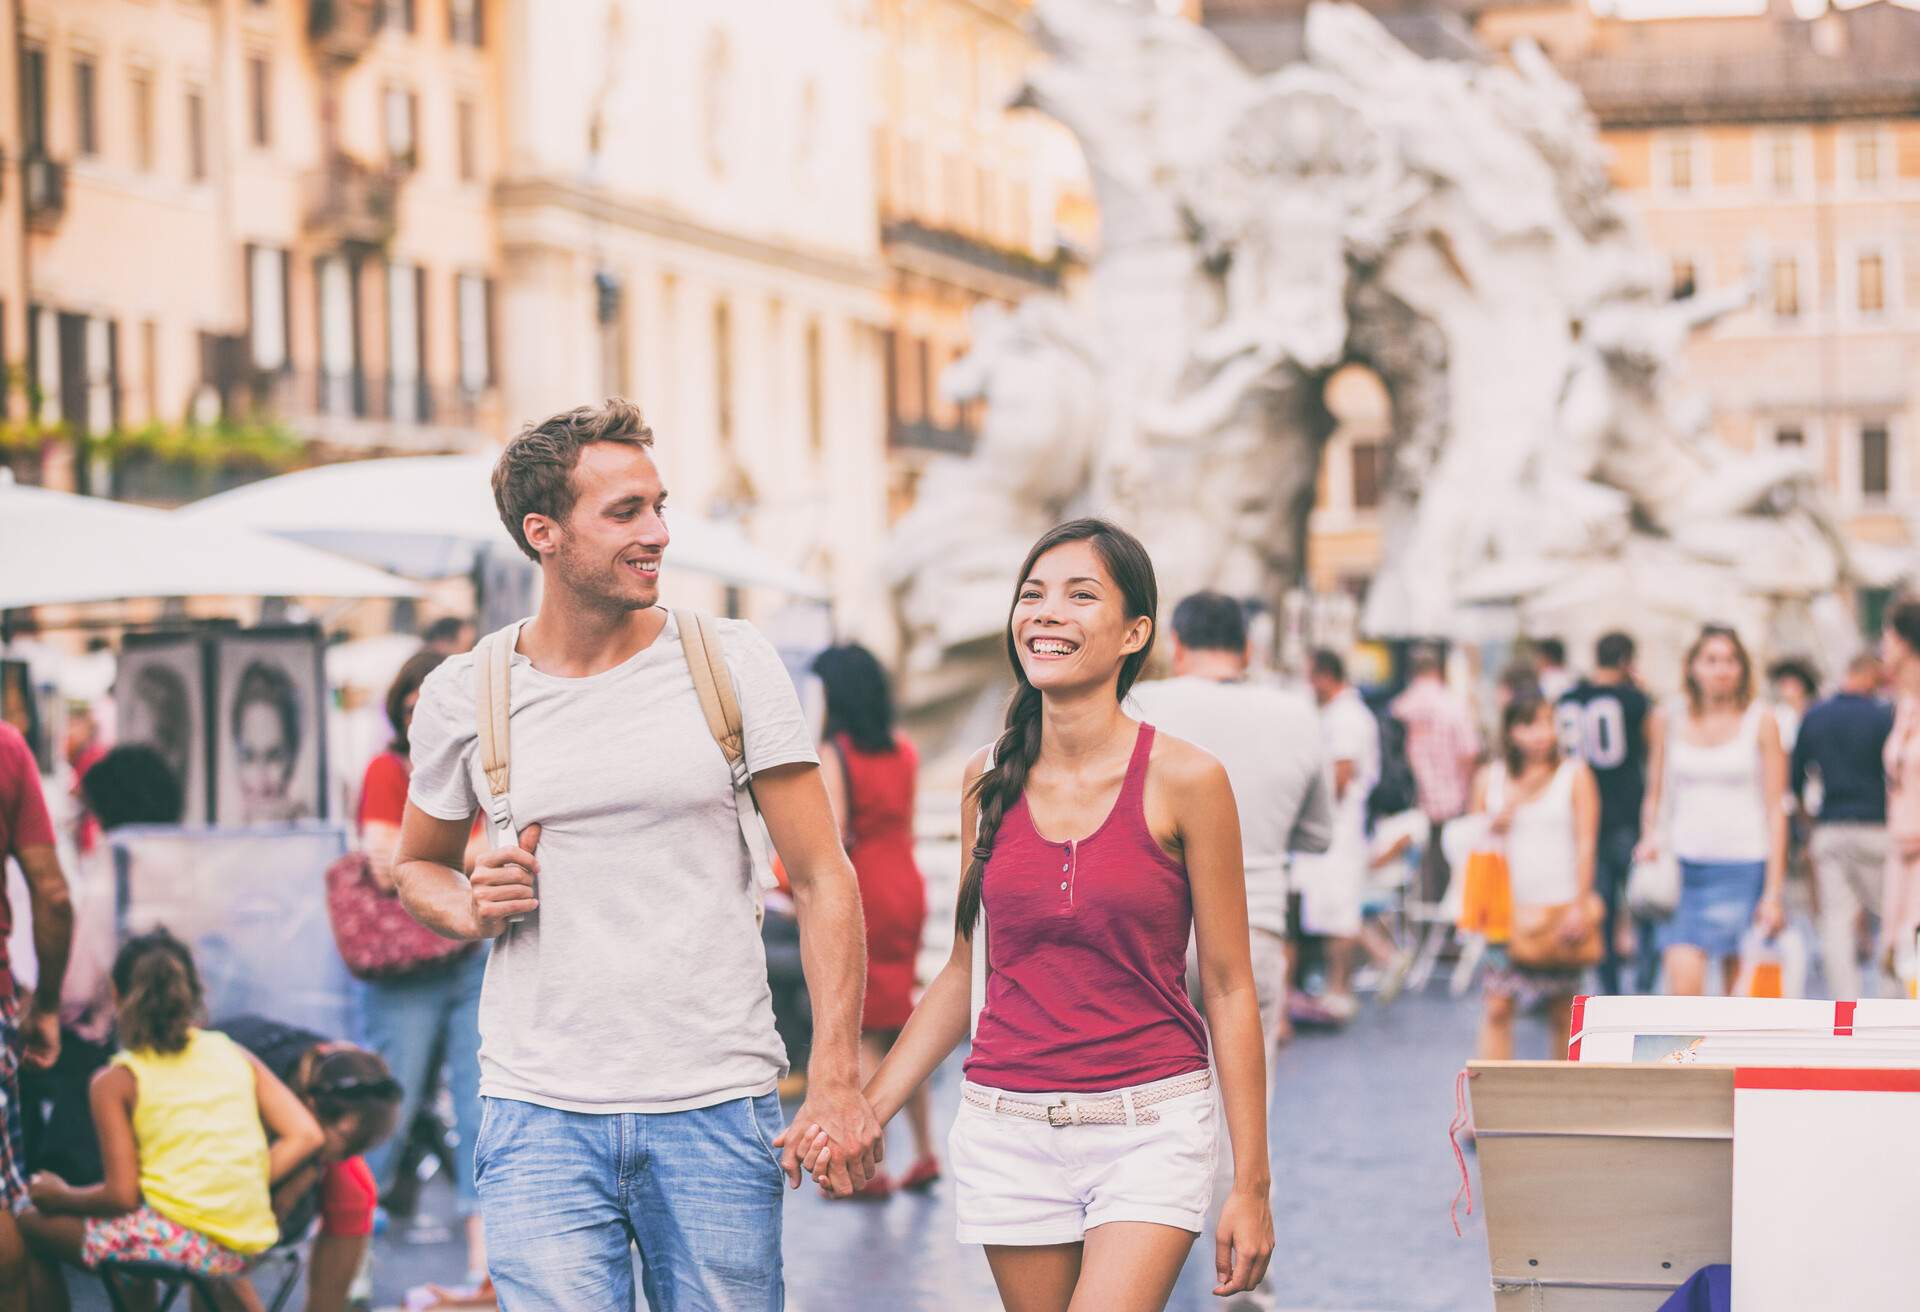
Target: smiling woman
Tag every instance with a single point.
(1100, 846)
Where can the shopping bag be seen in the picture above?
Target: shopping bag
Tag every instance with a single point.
(1772, 967)
(1486, 904)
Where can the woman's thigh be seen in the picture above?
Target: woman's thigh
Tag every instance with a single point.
(1036, 1278)
(1130, 1266)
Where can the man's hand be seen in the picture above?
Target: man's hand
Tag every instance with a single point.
(40, 1031)
(838, 1117)
(502, 884)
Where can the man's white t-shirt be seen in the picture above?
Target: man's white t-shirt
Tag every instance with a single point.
(1351, 734)
(640, 985)
(1268, 740)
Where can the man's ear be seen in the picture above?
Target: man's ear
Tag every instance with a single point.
(542, 533)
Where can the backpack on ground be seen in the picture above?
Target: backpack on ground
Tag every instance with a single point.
(712, 682)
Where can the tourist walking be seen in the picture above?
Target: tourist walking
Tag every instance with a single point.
(1900, 916)
(628, 1055)
(1838, 757)
(29, 1025)
(1551, 672)
(1333, 885)
(1268, 741)
(427, 1021)
(1083, 1153)
(1721, 773)
(870, 770)
(1607, 721)
(1442, 748)
(1543, 813)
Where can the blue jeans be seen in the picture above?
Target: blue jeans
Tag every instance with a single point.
(408, 1021)
(567, 1194)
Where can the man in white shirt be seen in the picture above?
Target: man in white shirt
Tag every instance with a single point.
(628, 1055)
(1333, 885)
(1269, 741)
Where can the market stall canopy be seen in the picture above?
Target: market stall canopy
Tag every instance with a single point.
(57, 548)
(428, 517)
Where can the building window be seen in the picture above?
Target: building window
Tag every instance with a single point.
(86, 105)
(1870, 292)
(1785, 285)
(401, 119)
(1876, 462)
(1366, 475)
(197, 136)
(1790, 436)
(397, 14)
(150, 361)
(464, 22)
(610, 316)
(923, 378)
(267, 307)
(473, 306)
(466, 135)
(333, 277)
(1685, 278)
(33, 101)
(723, 373)
(1782, 166)
(1866, 158)
(816, 391)
(406, 347)
(259, 100)
(140, 101)
(1679, 164)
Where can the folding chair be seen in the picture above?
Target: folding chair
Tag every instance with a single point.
(171, 1281)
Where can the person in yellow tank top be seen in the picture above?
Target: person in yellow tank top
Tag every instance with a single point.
(183, 1116)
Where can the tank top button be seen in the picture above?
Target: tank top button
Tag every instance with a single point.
(1063, 888)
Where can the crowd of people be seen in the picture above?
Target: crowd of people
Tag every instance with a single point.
(580, 942)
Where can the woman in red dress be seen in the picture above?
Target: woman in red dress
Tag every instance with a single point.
(870, 771)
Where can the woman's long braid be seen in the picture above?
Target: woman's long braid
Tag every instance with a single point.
(994, 792)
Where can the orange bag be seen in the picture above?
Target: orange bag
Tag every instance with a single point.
(1486, 905)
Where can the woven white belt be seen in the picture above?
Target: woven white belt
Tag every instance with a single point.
(1108, 1110)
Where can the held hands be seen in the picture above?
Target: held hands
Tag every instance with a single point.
(502, 884)
(1770, 917)
(1243, 1245)
(1573, 922)
(40, 1030)
(835, 1137)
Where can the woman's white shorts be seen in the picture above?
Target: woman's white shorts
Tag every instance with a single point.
(1027, 1182)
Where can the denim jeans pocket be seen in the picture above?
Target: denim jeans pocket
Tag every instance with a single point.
(483, 1137)
(764, 1114)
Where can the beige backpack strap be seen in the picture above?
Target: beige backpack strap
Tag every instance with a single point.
(492, 709)
(713, 684)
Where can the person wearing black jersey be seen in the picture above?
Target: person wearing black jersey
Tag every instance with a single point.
(1608, 722)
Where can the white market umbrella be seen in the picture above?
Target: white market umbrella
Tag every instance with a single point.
(428, 516)
(57, 548)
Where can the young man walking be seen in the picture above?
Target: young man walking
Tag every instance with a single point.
(627, 1048)
(1333, 886)
(1269, 742)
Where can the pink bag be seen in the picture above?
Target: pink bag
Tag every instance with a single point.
(378, 939)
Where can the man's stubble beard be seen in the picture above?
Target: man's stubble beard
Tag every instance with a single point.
(590, 587)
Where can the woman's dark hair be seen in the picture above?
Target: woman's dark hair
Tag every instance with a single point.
(352, 1084)
(1903, 617)
(405, 684)
(133, 785)
(859, 703)
(1525, 708)
(1800, 670)
(272, 687)
(1018, 747)
(160, 995)
(1696, 699)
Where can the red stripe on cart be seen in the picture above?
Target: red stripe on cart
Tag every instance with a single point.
(1843, 1019)
(1836, 1079)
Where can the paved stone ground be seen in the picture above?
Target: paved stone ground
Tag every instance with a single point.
(1361, 1156)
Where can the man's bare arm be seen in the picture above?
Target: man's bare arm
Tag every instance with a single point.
(426, 873)
(51, 903)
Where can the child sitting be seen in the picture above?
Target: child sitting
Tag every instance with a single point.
(179, 1113)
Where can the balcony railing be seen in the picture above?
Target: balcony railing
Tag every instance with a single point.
(43, 184)
(343, 30)
(372, 410)
(349, 203)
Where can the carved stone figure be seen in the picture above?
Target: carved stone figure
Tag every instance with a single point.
(1449, 225)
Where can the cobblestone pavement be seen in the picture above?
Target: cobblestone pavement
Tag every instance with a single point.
(1361, 1158)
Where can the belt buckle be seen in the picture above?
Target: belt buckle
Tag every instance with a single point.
(1059, 1115)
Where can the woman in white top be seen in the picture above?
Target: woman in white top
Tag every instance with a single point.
(1546, 810)
(1720, 776)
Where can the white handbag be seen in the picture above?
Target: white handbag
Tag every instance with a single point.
(1653, 884)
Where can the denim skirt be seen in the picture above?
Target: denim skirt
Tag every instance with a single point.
(1717, 902)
